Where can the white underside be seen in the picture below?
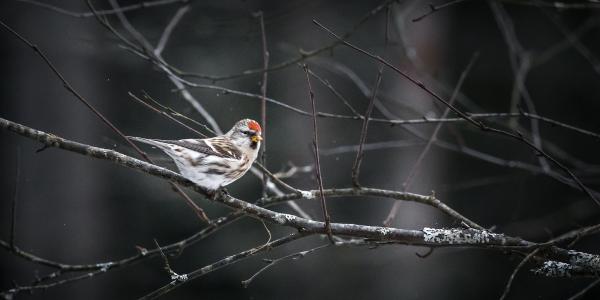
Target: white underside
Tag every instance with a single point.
(197, 166)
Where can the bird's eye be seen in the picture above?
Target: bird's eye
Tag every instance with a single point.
(246, 132)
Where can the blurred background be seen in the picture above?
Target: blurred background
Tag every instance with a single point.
(531, 57)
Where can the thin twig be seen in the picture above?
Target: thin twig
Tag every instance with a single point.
(515, 271)
(229, 260)
(434, 8)
(336, 93)
(367, 115)
(178, 114)
(317, 159)
(268, 234)
(166, 115)
(363, 132)
(273, 262)
(172, 274)
(263, 101)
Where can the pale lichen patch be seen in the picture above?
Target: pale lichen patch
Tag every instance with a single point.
(307, 195)
(554, 269)
(584, 259)
(458, 236)
(180, 278)
(279, 219)
(105, 266)
(384, 231)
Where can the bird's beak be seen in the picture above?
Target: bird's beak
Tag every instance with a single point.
(256, 138)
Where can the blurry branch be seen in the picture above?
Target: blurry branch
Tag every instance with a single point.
(164, 38)
(273, 262)
(304, 54)
(435, 8)
(520, 62)
(199, 211)
(140, 5)
(263, 101)
(515, 271)
(318, 174)
(292, 170)
(559, 5)
(585, 52)
(13, 213)
(570, 39)
(413, 170)
(485, 128)
(427, 237)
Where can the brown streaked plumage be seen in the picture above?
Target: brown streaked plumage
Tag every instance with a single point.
(214, 162)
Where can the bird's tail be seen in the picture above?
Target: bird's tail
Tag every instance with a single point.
(147, 141)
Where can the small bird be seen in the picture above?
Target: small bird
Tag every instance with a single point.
(214, 162)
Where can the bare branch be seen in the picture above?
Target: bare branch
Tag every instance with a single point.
(263, 101)
(164, 38)
(317, 159)
(273, 262)
(363, 132)
(515, 271)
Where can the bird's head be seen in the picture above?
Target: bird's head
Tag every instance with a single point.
(246, 133)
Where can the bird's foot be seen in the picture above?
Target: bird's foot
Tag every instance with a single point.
(215, 194)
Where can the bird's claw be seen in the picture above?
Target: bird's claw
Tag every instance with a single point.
(214, 194)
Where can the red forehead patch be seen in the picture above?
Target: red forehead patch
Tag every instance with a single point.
(253, 125)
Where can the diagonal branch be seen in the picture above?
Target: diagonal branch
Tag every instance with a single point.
(430, 237)
(317, 159)
(263, 101)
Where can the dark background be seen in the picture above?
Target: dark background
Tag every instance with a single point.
(77, 210)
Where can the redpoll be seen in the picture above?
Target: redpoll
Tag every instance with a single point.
(214, 162)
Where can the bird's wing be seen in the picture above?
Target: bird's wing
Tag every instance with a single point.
(217, 146)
